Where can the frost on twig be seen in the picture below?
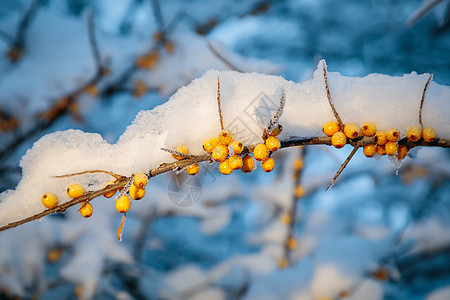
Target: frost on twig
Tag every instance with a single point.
(325, 77)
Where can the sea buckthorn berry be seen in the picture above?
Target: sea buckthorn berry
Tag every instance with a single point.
(123, 204)
(351, 130)
(402, 151)
(111, 193)
(268, 165)
(283, 263)
(338, 140)
(136, 193)
(193, 169)
(225, 137)
(392, 134)
(276, 131)
(370, 150)
(49, 200)
(238, 147)
(298, 164)
(91, 90)
(285, 219)
(86, 210)
(331, 128)
(368, 129)
(429, 134)
(381, 150)
(380, 138)
(414, 133)
(235, 162)
(381, 274)
(75, 190)
(225, 168)
(273, 143)
(140, 180)
(299, 191)
(209, 144)
(391, 148)
(248, 164)
(291, 243)
(261, 152)
(183, 149)
(220, 153)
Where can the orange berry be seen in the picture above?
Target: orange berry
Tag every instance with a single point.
(209, 144)
(248, 164)
(136, 193)
(49, 200)
(268, 165)
(111, 193)
(414, 133)
(285, 219)
(292, 243)
(351, 130)
(225, 137)
(86, 210)
(276, 131)
(380, 138)
(183, 149)
(370, 150)
(381, 150)
(235, 162)
(75, 190)
(299, 191)
(283, 263)
(392, 134)
(140, 180)
(298, 164)
(220, 153)
(225, 168)
(368, 129)
(273, 143)
(338, 140)
(381, 274)
(331, 128)
(169, 46)
(238, 147)
(429, 134)
(193, 169)
(123, 204)
(402, 151)
(91, 90)
(261, 152)
(391, 148)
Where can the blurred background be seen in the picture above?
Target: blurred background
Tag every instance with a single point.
(380, 233)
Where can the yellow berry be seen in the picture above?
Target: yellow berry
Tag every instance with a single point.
(370, 150)
(140, 180)
(392, 134)
(368, 129)
(136, 193)
(248, 164)
(429, 134)
(351, 130)
(331, 128)
(402, 151)
(235, 162)
(414, 133)
(183, 149)
(268, 165)
(261, 152)
(75, 190)
(49, 200)
(391, 148)
(238, 147)
(123, 204)
(285, 219)
(283, 263)
(225, 168)
(298, 164)
(273, 143)
(299, 191)
(380, 138)
(381, 274)
(86, 210)
(381, 150)
(193, 169)
(209, 144)
(225, 137)
(276, 131)
(292, 243)
(338, 140)
(220, 153)
(111, 193)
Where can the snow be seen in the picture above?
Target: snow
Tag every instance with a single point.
(439, 294)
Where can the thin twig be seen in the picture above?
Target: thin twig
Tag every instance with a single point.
(117, 176)
(93, 41)
(120, 229)
(344, 164)
(171, 151)
(222, 58)
(423, 99)
(219, 104)
(158, 15)
(325, 77)
(422, 11)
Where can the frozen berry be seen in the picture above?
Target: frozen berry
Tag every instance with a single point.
(49, 200)
(261, 152)
(370, 150)
(220, 153)
(268, 165)
(338, 140)
(402, 151)
(238, 147)
(414, 133)
(140, 180)
(183, 149)
(391, 148)
(86, 210)
(225, 168)
(380, 138)
(248, 164)
(225, 137)
(136, 193)
(273, 143)
(123, 204)
(235, 162)
(276, 131)
(368, 129)
(298, 164)
(381, 150)
(392, 134)
(299, 191)
(351, 130)
(75, 190)
(193, 169)
(429, 134)
(111, 193)
(331, 128)
(292, 243)
(209, 144)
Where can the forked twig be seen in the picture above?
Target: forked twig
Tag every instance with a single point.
(423, 99)
(344, 164)
(219, 104)
(325, 77)
(117, 176)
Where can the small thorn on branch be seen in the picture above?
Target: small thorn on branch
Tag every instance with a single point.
(219, 104)
(423, 99)
(344, 164)
(325, 77)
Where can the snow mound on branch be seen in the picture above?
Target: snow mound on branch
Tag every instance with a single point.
(191, 115)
